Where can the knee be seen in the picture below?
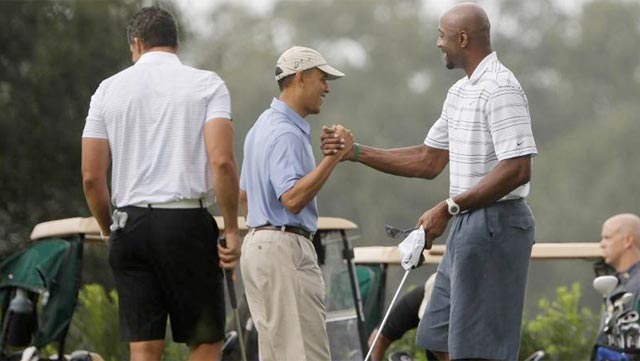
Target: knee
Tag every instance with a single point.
(146, 350)
(206, 352)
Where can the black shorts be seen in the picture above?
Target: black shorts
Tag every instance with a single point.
(165, 263)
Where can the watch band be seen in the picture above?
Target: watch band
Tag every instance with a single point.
(452, 207)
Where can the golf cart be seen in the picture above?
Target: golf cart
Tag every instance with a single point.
(38, 292)
(355, 280)
(50, 270)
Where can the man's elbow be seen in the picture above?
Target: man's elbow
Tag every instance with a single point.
(523, 175)
(291, 204)
(223, 164)
(91, 181)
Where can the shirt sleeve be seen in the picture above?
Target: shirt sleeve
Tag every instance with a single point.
(95, 126)
(243, 175)
(438, 136)
(285, 167)
(510, 124)
(219, 105)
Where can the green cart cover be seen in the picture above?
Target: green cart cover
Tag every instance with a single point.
(50, 268)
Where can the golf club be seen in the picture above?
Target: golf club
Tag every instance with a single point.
(234, 303)
(384, 320)
(413, 242)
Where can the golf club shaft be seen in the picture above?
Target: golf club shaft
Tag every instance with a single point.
(384, 320)
(233, 300)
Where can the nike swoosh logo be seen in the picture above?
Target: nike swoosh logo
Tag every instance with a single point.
(519, 142)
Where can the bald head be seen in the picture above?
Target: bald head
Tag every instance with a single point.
(472, 19)
(628, 224)
(620, 241)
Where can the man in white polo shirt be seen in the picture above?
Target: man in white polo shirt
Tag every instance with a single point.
(484, 134)
(165, 130)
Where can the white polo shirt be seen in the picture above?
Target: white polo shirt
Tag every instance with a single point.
(485, 119)
(153, 114)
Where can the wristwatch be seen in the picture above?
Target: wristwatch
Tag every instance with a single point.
(452, 207)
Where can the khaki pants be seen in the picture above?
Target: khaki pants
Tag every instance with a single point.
(285, 293)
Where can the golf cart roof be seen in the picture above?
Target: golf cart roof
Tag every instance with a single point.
(540, 251)
(89, 227)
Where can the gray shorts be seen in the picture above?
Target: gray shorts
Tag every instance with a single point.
(476, 305)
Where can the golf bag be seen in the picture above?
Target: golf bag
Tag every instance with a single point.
(38, 295)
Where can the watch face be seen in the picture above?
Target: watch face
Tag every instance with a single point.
(454, 209)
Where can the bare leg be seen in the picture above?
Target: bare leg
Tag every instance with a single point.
(442, 356)
(206, 352)
(146, 350)
(381, 346)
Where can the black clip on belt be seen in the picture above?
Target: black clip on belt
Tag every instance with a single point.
(291, 229)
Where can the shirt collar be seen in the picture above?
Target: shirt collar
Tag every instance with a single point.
(282, 107)
(482, 67)
(158, 57)
(624, 276)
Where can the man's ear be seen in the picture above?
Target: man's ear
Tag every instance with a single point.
(138, 44)
(463, 39)
(628, 241)
(298, 78)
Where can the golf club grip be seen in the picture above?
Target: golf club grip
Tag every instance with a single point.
(229, 278)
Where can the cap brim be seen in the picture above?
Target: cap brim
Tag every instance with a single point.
(332, 73)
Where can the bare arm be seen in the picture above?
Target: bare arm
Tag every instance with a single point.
(218, 136)
(506, 176)
(419, 161)
(304, 190)
(96, 159)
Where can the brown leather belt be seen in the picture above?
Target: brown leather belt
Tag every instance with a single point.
(291, 229)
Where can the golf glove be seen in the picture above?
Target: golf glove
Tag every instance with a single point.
(411, 249)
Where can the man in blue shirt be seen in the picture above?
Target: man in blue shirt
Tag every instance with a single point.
(279, 183)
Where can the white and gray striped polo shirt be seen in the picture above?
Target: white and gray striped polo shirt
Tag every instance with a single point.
(485, 119)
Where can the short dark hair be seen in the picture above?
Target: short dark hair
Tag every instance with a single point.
(284, 82)
(154, 26)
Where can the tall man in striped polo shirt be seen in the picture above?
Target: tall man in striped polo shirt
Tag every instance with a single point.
(165, 129)
(484, 134)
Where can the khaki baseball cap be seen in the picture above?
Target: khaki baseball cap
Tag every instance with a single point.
(299, 58)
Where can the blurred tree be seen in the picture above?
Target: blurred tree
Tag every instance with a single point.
(52, 56)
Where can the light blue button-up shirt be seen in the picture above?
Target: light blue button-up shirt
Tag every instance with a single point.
(277, 154)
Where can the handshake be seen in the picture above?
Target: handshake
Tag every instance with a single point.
(337, 141)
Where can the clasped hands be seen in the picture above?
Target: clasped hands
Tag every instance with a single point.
(337, 140)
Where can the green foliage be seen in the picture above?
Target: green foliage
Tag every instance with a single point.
(408, 344)
(95, 324)
(562, 329)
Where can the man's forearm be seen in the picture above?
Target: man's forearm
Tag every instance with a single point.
(97, 195)
(506, 176)
(225, 185)
(303, 192)
(417, 161)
